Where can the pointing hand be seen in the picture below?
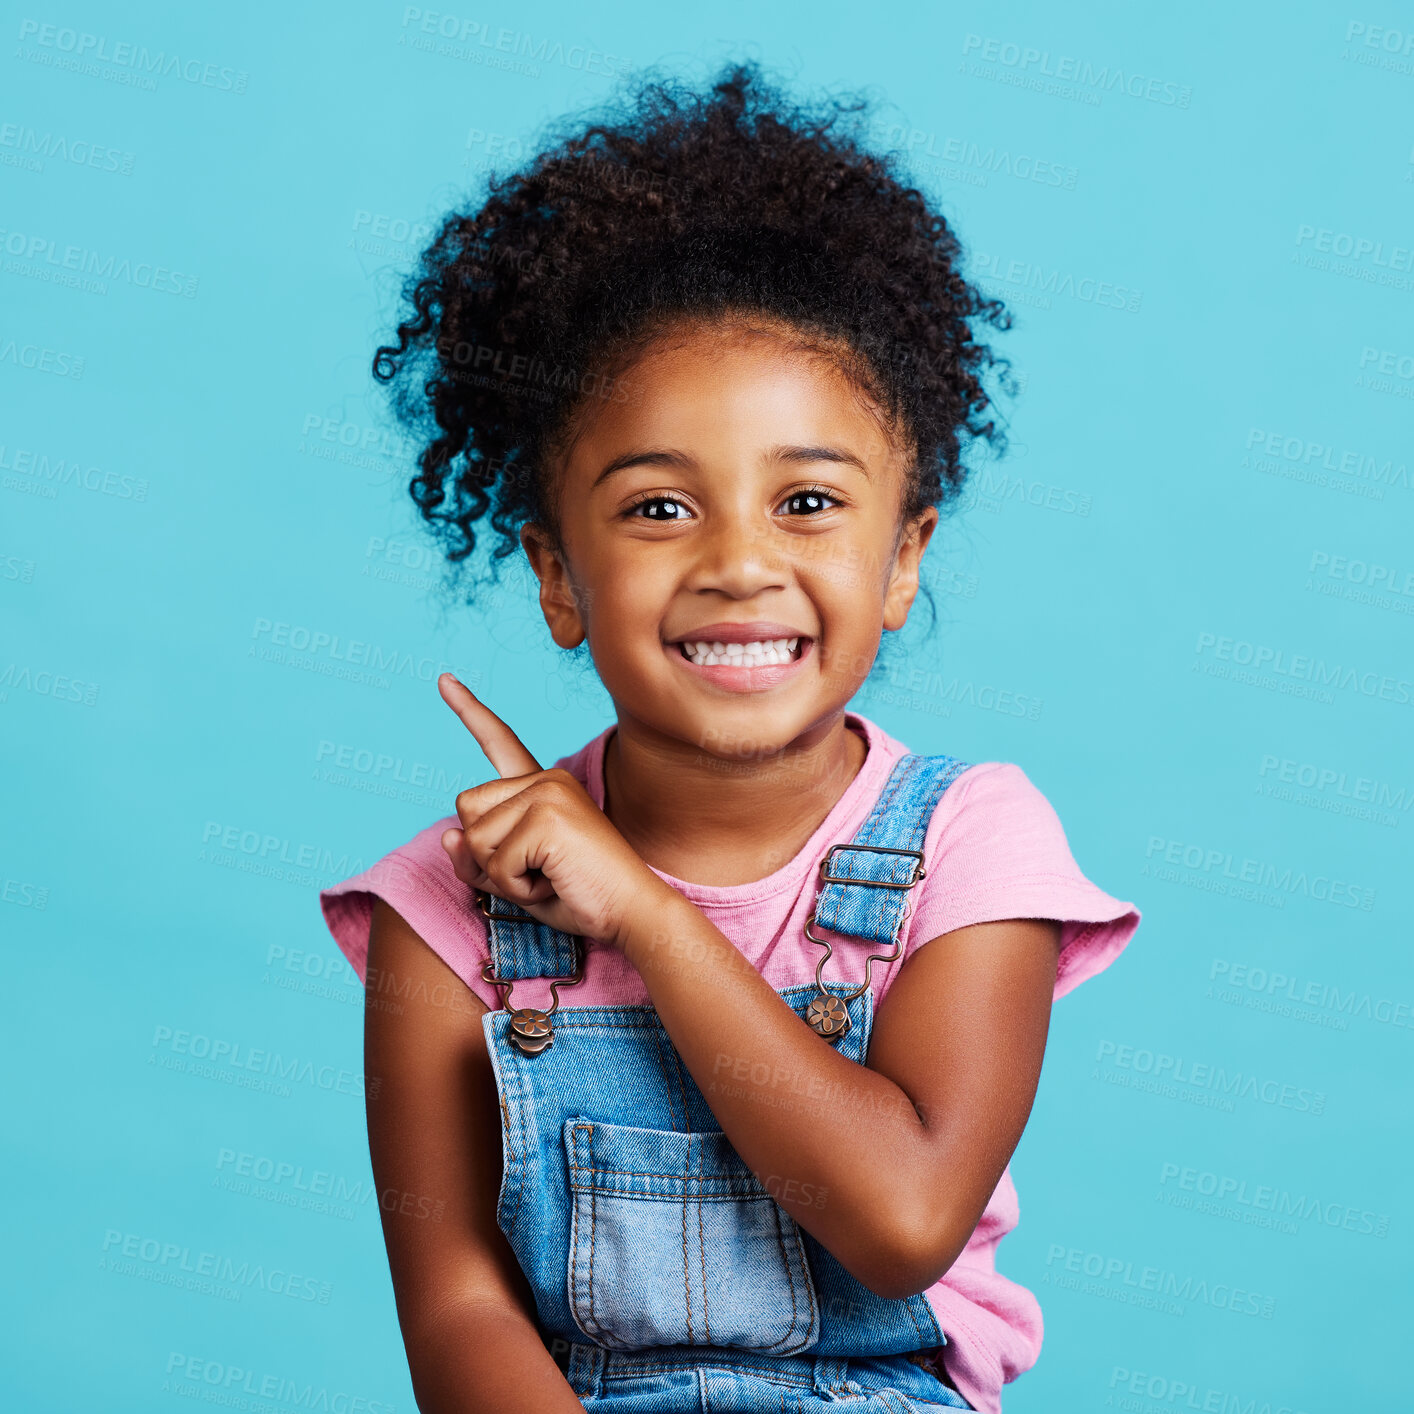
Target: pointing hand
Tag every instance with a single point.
(535, 838)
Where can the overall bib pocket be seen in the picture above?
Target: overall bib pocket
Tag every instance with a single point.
(673, 1241)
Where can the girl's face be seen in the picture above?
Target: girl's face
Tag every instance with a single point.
(731, 488)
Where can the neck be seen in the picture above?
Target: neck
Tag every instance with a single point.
(719, 821)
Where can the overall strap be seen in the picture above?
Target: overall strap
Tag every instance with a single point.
(523, 946)
(865, 884)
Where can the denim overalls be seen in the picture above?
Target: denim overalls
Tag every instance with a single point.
(666, 1278)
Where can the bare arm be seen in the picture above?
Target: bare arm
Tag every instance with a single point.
(888, 1165)
(434, 1138)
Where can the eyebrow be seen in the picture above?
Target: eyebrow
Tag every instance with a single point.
(666, 457)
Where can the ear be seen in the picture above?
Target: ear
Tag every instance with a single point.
(903, 581)
(559, 597)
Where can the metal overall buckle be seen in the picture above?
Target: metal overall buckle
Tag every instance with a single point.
(826, 1014)
(532, 1031)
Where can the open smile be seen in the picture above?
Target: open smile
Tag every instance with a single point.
(753, 666)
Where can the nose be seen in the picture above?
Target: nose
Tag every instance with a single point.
(733, 555)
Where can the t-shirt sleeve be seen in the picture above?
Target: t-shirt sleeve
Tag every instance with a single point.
(995, 849)
(417, 879)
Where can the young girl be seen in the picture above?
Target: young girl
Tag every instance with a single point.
(708, 1047)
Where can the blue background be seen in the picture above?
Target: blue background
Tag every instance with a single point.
(1208, 470)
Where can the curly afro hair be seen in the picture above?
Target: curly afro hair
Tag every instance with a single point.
(688, 204)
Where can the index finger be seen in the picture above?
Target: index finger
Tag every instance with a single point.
(503, 748)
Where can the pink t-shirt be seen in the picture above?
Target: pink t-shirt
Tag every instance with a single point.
(994, 849)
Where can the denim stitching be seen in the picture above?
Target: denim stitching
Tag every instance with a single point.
(912, 1313)
(686, 1286)
(687, 1179)
(510, 1159)
(593, 1240)
(527, 1142)
(794, 1276)
(517, 1102)
(790, 1281)
(658, 1368)
(590, 1318)
(808, 1280)
(702, 1245)
(804, 1282)
(576, 1239)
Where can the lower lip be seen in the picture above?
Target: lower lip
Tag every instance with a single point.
(742, 679)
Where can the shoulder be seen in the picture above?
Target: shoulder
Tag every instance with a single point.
(994, 800)
(995, 848)
(418, 881)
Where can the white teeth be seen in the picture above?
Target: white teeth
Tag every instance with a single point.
(757, 654)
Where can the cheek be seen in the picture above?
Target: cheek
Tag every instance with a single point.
(847, 576)
(626, 609)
